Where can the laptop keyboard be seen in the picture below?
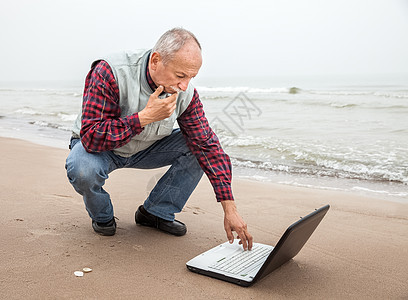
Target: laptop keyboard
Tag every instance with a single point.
(242, 260)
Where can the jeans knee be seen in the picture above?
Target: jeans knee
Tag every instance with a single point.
(82, 175)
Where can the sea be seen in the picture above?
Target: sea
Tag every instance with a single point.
(345, 133)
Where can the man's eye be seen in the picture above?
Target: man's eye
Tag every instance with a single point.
(180, 76)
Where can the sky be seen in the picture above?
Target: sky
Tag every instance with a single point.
(58, 39)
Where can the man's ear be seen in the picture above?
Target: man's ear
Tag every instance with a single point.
(154, 60)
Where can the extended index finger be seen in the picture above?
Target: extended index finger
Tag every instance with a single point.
(246, 239)
(242, 236)
(250, 240)
(158, 91)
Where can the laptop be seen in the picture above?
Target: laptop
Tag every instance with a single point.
(229, 262)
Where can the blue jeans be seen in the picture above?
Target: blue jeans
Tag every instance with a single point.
(87, 172)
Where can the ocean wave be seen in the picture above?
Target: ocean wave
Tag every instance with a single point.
(344, 172)
(69, 94)
(50, 125)
(403, 95)
(316, 159)
(49, 92)
(67, 117)
(232, 89)
(343, 105)
(345, 186)
(347, 105)
(63, 116)
(380, 94)
(395, 194)
(297, 90)
(28, 111)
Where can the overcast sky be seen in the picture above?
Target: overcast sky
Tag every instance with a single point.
(51, 39)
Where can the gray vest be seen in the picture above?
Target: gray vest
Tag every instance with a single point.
(134, 92)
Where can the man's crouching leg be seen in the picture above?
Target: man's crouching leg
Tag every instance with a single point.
(174, 188)
(87, 173)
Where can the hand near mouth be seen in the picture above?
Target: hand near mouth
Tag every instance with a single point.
(158, 109)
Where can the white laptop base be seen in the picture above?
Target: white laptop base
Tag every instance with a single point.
(231, 260)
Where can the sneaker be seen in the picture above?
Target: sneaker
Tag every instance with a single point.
(107, 229)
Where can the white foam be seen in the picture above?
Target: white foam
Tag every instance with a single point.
(399, 194)
(27, 111)
(238, 89)
(67, 117)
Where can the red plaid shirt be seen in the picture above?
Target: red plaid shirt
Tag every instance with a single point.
(104, 129)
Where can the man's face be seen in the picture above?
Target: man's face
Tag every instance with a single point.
(176, 74)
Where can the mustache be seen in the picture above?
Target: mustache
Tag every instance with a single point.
(176, 89)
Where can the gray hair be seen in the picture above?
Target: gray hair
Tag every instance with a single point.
(172, 41)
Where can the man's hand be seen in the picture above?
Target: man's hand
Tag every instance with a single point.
(157, 109)
(234, 222)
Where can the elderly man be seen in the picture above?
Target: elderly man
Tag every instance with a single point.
(130, 104)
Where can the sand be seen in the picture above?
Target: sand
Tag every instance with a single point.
(360, 250)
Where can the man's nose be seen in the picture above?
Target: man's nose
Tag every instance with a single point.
(183, 84)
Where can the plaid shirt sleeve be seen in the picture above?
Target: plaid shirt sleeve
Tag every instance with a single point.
(204, 144)
(102, 127)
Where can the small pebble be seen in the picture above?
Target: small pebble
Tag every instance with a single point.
(78, 273)
(87, 270)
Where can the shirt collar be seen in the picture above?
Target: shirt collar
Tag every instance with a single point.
(150, 81)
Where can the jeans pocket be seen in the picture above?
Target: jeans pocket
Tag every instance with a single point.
(73, 142)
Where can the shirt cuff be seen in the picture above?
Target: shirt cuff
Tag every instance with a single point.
(223, 192)
(134, 124)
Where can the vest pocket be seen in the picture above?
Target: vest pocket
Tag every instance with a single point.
(165, 127)
(157, 130)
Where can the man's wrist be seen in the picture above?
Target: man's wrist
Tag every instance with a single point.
(228, 206)
(143, 119)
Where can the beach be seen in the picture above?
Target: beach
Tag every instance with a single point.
(360, 249)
